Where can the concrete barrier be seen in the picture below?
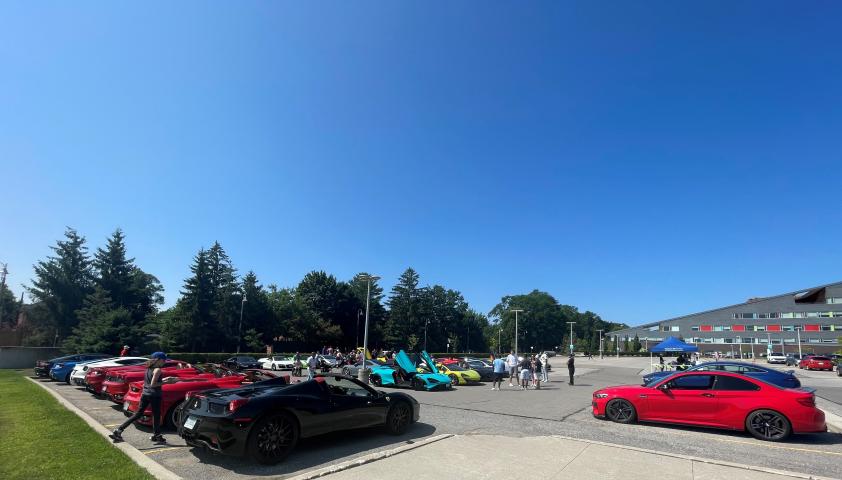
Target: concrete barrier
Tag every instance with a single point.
(25, 357)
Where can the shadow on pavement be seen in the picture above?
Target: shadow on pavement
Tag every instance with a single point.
(808, 439)
(319, 451)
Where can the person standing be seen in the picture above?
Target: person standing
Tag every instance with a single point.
(525, 373)
(571, 367)
(312, 365)
(545, 374)
(536, 379)
(150, 397)
(499, 372)
(125, 351)
(511, 363)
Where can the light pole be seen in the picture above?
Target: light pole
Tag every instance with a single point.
(362, 373)
(571, 336)
(798, 330)
(3, 274)
(516, 310)
(601, 356)
(359, 313)
(240, 327)
(499, 339)
(617, 344)
(426, 321)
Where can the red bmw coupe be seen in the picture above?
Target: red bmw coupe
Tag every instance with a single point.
(715, 399)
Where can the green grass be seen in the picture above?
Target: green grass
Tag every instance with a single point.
(40, 439)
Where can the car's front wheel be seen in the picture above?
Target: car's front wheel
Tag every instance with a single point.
(768, 425)
(620, 411)
(375, 380)
(417, 384)
(275, 367)
(346, 372)
(454, 380)
(173, 417)
(273, 438)
(398, 418)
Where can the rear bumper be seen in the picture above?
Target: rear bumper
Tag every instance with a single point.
(219, 435)
(810, 422)
(42, 371)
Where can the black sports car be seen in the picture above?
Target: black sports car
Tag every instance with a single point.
(241, 362)
(486, 371)
(266, 419)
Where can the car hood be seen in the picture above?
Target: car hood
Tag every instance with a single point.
(435, 377)
(623, 389)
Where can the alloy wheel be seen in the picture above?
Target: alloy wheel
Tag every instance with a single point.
(619, 411)
(768, 425)
(399, 418)
(275, 437)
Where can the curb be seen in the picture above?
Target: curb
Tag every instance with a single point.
(154, 468)
(834, 421)
(372, 457)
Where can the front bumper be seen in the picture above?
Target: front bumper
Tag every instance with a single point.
(42, 371)
(437, 386)
(598, 407)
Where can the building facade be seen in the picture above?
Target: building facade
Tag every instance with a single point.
(811, 318)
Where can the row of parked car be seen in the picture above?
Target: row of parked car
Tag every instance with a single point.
(808, 361)
(247, 411)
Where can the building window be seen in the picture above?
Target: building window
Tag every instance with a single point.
(674, 328)
(735, 316)
(717, 328)
(694, 328)
(827, 328)
(729, 340)
(812, 314)
(787, 315)
(814, 340)
(748, 340)
(774, 315)
(748, 315)
(826, 314)
(788, 328)
(828, 340)
(709, 340)
(719, 340)
(834, 300)
(760, 328)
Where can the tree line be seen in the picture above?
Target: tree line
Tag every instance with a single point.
(100, 302)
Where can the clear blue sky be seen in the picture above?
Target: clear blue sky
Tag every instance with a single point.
(638, 159)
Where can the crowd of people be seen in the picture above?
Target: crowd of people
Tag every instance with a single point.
(526, 372)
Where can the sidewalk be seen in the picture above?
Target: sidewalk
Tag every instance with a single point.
(554, 457)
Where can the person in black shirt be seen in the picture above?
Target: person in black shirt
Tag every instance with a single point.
(571, 368)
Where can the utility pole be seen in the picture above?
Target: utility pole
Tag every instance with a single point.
(240, 327)
(426, 321)
(3, 273)
(359, 313)
(362, 374)
(798, 330)
(571, 336)
(516, 310)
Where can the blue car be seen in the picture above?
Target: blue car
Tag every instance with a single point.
(62, 368)
(404, 374)
(769, 375)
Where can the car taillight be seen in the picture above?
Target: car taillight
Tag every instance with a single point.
(807, 401)
(233, 405)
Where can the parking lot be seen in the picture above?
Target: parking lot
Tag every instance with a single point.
(557, 409)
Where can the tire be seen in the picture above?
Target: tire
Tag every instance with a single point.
(272, 438)
(454, 380)
(172, 418)
(768, 425)
(274, 367)
(620, 411)
(417, 385)
(346, 372)
(399, 418)
(375, 380)
(67, 379)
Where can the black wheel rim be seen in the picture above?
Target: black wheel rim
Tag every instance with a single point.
(620, 411)
(454, 380)
(400, 417)
(768, 425)
(275, 437)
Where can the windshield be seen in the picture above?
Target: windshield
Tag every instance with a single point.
(246, 359)
(455, 368)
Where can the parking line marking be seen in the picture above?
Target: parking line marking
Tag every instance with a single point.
(112, 425)
(157, 450)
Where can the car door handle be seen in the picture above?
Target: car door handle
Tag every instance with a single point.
(642, 395)
(709, 395)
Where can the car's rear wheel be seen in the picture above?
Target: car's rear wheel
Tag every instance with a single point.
(454, 380)
(768, 425)
(620, 411)
(398, 418)
(375, 380)
(346, 372)
(417, 384)
(273, 438)
(173, 417)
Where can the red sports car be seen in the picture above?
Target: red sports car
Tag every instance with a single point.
(95, 377)
(175, 393)
(117, 383)
(816, 363)
(715, 399)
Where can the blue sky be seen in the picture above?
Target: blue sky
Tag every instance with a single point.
(639, 159)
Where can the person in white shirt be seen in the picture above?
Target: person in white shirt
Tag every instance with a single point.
(545, 376)
(511, 363)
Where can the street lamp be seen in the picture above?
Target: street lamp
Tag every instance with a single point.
(516, 310)
(426, 321)
(601, 356)
(798, 330)
(240, 327)
(571, 336)
(362, 374)
(499, 340)
(359, 313)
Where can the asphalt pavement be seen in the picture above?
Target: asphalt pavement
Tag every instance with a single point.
(512, 415)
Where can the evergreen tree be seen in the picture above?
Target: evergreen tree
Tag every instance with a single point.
(227, 297)
(257, 313)
(192, 322)
(636, 344)
(404, 309)
(9, 307)
(102, 327)
(62, 282)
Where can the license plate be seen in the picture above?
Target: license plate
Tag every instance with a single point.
(190, 422)
(126, 406)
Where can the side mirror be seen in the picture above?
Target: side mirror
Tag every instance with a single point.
(664, 386)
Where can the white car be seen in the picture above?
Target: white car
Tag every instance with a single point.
(776, 358)
(77, 376)
(277, 363)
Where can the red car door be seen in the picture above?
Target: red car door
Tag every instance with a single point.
(684, 398)
(736, 397)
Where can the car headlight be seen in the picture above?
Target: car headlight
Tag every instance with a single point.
(58, 365)
(600, 395)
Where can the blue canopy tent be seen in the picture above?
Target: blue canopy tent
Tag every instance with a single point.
(671, 344)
